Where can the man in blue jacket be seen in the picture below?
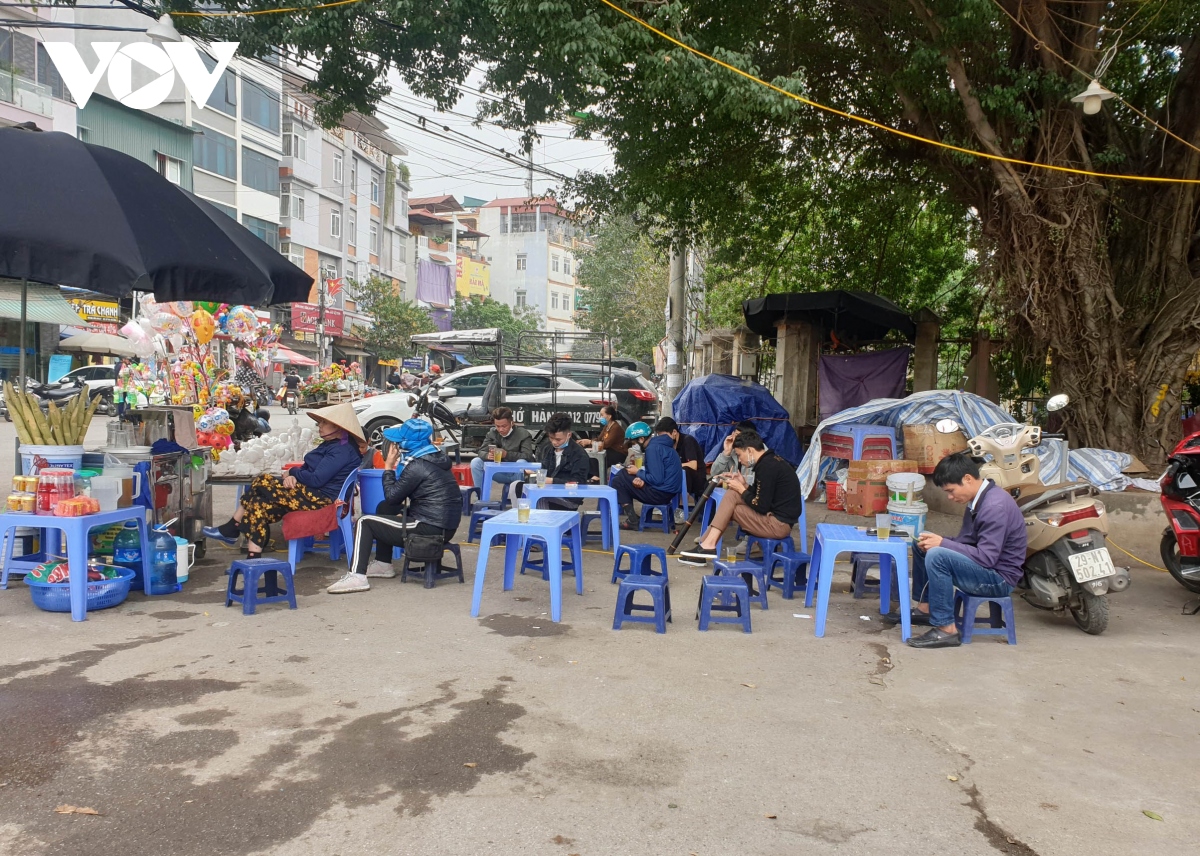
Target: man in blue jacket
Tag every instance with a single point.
(985, 558)
(658, 481)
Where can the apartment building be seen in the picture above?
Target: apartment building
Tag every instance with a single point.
(446, 259)
(531, 246)
(31, 89)
(343, 213)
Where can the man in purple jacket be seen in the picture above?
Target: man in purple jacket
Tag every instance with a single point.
(984, 559)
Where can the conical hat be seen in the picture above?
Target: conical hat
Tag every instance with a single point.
(341, 415)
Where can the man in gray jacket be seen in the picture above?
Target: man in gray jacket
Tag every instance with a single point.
(515, 442)
(726, 461)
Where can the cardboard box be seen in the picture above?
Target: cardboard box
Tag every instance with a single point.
(925, 445)
(879, 470)
(866, 497)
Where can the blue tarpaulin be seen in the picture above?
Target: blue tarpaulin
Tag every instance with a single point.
(709, 407)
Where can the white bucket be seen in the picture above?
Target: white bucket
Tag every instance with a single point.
(54, 457)
(908, 516)
(905, 487)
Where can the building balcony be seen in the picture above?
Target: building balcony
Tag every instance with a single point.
(25, 94)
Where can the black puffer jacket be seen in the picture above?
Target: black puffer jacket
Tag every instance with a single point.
(432, 493)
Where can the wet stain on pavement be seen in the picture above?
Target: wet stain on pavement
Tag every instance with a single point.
(884, 664)
(173, 614)
(150, 806)
(996, 836)
(523, 625)
(314, 580)
(282, 688)
(62, 703)
(211, 716)
(295, 658)
(195, 745)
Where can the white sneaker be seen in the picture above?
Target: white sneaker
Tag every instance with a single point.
(351, 582)
(380, 569)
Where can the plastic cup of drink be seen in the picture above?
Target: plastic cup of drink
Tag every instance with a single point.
(883, 526)
(523, 510)
(731, 552)
(497, 454)
(540, 475)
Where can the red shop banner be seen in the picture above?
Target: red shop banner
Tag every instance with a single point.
(304, 319)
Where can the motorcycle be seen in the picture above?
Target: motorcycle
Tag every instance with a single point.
(1180, 548)
(1067, 565)
(291, 400)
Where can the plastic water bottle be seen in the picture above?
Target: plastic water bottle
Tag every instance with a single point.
(127, 552)
(164, 571)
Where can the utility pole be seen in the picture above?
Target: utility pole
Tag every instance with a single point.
(321, 322)
(676, 316)
(529, 180)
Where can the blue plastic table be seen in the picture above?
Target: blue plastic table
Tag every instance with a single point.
(605, 497)
(833, 539)
(549, 525)
(76, 531)
(490, 468)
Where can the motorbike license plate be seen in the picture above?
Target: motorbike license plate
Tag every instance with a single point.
(1091, 565)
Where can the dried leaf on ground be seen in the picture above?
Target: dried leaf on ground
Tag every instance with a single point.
(77, 809)
(471, 764)
(769, 816)
(1153, 815)
(751, 686)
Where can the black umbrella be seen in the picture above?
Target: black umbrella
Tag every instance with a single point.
(93, 217)
(855, 316)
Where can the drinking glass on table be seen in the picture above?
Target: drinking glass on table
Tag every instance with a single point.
(522, 510)
(883, 526)
(497, 454)
(731, 552)
(540, 475)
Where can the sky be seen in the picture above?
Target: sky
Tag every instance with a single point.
(441, 165)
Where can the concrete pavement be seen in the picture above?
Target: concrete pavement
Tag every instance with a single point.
(391, 722)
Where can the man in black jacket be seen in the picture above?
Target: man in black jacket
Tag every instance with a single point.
(418, 475)
(769, 509)
(563, 461)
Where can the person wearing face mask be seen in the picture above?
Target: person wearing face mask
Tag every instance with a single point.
(658, 481)
(563, 461)
(315, 484)
(612, 437)
(514, 441)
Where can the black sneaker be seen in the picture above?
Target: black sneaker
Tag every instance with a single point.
(698, 555)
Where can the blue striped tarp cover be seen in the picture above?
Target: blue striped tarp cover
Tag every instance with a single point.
(974, 414)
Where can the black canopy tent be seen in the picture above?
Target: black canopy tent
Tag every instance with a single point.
(853, 316)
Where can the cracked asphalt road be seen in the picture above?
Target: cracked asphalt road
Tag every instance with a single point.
(393, 723)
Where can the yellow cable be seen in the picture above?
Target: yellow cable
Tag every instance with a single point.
(262, 11)
(1135, 558)
(882, 127)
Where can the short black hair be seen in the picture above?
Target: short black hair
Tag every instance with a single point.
(666, 425)
(952, 468)
(502, 413)
(749, 440)
(745, 425)
(559, 422)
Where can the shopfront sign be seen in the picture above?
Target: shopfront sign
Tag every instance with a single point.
(472, 279)
(102, 316)
(304, 319)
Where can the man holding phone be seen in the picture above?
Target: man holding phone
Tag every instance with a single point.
(984, 559)
(514, 443)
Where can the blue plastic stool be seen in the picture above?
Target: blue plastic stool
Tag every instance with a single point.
(793, 572)
(660, 609)
(858, 433)
(254, 571)
(668, 516)
(540, 564)
(639, 560)
(737, 569)
(999, 623)
(478, 517)
(467, 492)
(768, 546)
(590, 517)
(861, 564)
(715, 588)
(433, 570)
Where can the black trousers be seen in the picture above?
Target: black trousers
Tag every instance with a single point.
(386, 528)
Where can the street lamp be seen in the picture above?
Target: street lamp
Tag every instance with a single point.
(1092, 97)
(163, 30)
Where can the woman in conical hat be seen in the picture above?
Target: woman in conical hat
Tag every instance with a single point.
(313, 485)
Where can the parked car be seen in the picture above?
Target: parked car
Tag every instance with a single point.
(98, 378)
(635, 396)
